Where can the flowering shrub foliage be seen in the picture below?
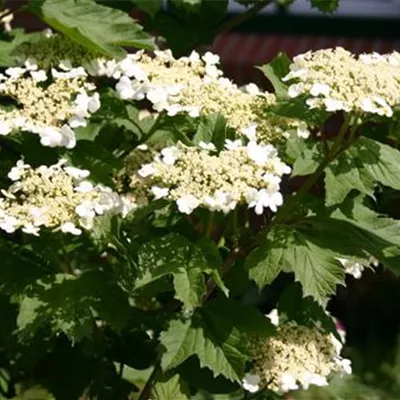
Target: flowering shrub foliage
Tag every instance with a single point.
(145, 198)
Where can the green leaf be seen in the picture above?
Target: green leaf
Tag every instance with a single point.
(101, 163)
(381, 161)
(265, 262)
(7, 48)
(309, 159)
(327, 6)
(344, 175)
(244, 317)
(172, 388)
(315, 268)
(150, 7)
(275, 71)
(176, 255)
(20, 267)
(362, 233)
(79, 20)
(297, 108)
(305, 311)
(70, 304)
(218, 345)
(212, 128)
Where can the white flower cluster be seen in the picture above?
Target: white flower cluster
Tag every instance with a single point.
(295, 357)
(356, 267)
(195, 85)
(57, 197)
(335, 80)
(195, 177)
(51, 111)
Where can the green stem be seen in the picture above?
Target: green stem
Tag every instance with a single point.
(339, 138)
(235, 225)
(335, 150)
(146, 391)
(210, 224)
(240, 18)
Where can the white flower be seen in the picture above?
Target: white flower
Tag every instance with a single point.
(252, 89)
(130, 68)
(39, 76)
(107, 201)
(279, 167)
(9, 223)
(69, 227)
(17, 171)
(296, 90)
(77, 173)
(288, 383)
(174, 90)
(5, 128)
(210, 58)
(332, 105)
(127, 206)
(233, 144)
(159, 192)
(313, 379)
(76, 122)
(31, 229)
(193, 111)
(345, 364)
(170, 155)
(73, 73)
(84, 187)
(53, 137)
(250, 132)
(260, 199)
(101, 67)
(251, 383)
(147, 170)
(50, 137)
(85, 104)
(124, 88)
(194, 57)
(15, 72)
(296, 72)
(313, 102)
(320, 89)
(212, 71)
(165, 55)
(260, 154)
(65, 65)
(274, 317)
(85, 209)
(173, 109)
(367, 105)
(38, 213)
(142, 147)
(221, 201)
(187, 204)
(302, 130)
(207, 146)
(157, 95)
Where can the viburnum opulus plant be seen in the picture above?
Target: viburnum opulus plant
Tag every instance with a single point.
(146, 199)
